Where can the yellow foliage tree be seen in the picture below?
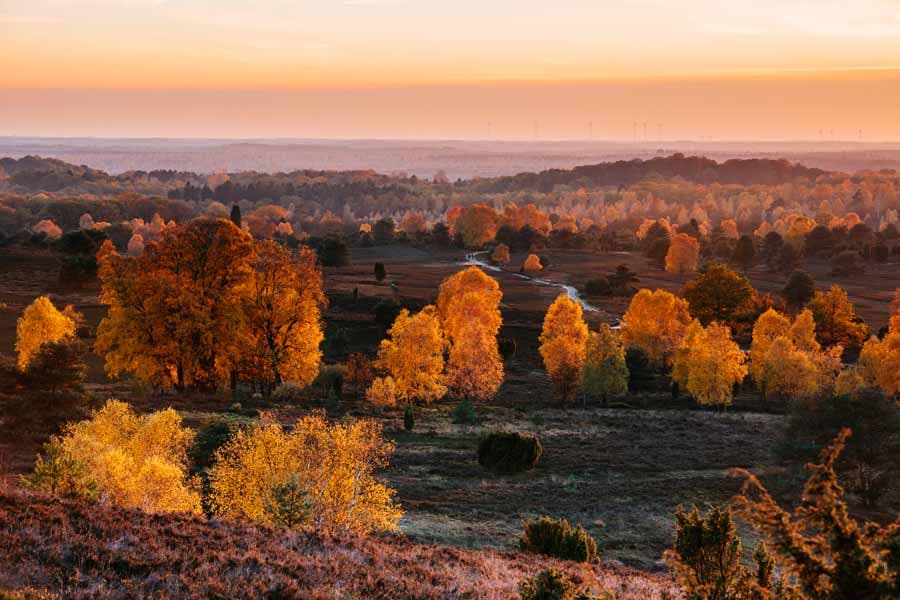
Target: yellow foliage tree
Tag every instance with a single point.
(655, 322)
(814, 368)
(414, 356)
(894, 323)
(41, 323)
(135, 461)
(564, 345)
(683, 253)
(469, 308)
(333, 464)
(605, 371)
(709, 363)
(836, 321)
(787, 371)
(879, 362)
(532, 263)
(282, 308)
(382, 392)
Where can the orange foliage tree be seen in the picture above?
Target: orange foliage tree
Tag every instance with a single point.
(683, 253)
(414, 356)
(655, 322)
(564, 345)
(836, 321)
(468, 305)
(175, 311)
(709, 364)
(477, 224)
(532, 263)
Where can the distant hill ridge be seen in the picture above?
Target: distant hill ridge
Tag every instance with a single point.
(37, 174)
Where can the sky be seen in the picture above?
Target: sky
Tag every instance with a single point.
(499, 69)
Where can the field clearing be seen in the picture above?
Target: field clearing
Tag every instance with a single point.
(619, 472)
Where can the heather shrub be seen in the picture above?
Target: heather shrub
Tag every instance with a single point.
(509, 452)
(556, 538)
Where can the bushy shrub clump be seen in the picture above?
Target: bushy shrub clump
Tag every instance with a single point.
(289, 393)
(555, 537)
(509, 452)
(464, 413)
(555, 585)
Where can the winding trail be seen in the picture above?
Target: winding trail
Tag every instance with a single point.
(473, 259)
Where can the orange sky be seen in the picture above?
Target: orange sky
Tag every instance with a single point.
(426, 68)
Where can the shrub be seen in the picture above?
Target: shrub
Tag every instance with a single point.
(382, 392)
(408, 420)
(386, 312)
(289, 393)
(556, 538)
(60, 474)
(464, 413)
(707, 558)
(599, 286)
(554, 585)
(331, 381)
(871, 457)
(509, 452)
(380, 272)
(507, 347)
(288, 505)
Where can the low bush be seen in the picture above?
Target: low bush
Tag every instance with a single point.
(509, 452)
(464, 413)
(290, 393)
(555, 585)
(556, 538)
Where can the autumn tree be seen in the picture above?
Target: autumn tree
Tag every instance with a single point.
(717, 294)
(655, 321)
(564, 344)
(175, 312)
(359, 371)
(477, 224)
(684, 250)
(40, 324)
(333, 465)
(500, 255)
(787, 360)
(282, 306)
(836, 321)
(468, 305)
(605, 371)
(879, 363)
(708, 364)
(134, 461)
(382, 391)
(532, 263)
(414, 356)
(799, 289)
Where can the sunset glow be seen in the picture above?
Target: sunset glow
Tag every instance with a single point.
(651, 57)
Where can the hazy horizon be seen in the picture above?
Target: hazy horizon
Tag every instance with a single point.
(503, 70)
